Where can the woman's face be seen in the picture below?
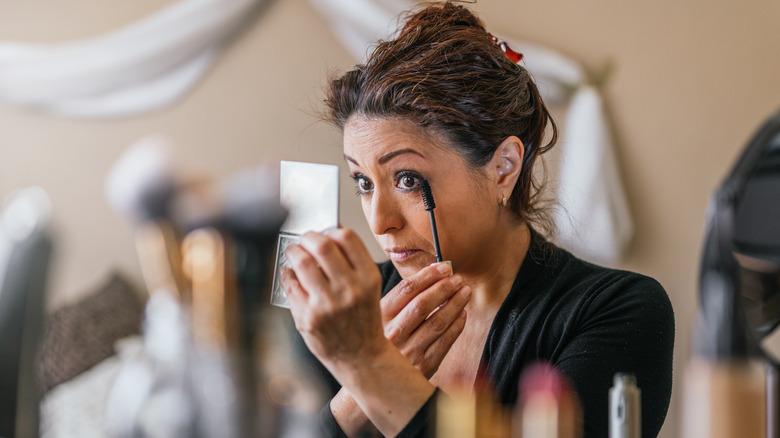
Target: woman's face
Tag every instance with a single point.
(388, 158)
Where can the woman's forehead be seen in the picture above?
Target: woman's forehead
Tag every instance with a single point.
(370, 139)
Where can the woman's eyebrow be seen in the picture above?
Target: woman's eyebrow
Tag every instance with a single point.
(387, 157)
(351, 160)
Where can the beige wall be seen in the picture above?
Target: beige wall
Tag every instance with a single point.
(691, 82)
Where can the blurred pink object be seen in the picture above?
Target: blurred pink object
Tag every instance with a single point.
(549, 407)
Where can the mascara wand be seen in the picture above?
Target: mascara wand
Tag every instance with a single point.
(430, 204)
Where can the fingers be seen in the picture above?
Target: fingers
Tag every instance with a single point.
(307, 271)
(323, 267)
(332, 258)
(431, 341)
(327, 254)
(296, 295)
(439, 348)
(353, 248)
(409, 319)
(408, 288)
(437, 324)
(337, 251)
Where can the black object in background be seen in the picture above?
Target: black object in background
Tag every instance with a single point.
(740, 271)
(26, 247)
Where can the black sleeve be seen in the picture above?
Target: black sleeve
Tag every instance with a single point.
(423, 423)
(329, 427)
(627, 327)
(420, 426)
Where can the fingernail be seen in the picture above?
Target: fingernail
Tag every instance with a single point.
(443, 268)
(466, 292)
(456, 281)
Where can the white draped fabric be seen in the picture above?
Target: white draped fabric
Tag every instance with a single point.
(151, 63)
(141, 67)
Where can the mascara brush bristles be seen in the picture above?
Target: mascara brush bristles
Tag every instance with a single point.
(427, 196)
(430, 204)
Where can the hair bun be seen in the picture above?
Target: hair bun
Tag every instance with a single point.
(440, 16)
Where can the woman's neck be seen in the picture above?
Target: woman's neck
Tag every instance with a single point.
(492, 278)
(490, 287)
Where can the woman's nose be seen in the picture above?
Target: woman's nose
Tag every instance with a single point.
(383, 214)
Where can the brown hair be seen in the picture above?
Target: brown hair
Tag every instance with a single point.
(444, 73)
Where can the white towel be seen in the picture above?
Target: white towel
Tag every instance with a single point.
(592, 215)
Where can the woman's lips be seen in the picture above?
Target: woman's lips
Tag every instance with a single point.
(401, 254)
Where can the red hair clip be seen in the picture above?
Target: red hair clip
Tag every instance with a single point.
(511, 54)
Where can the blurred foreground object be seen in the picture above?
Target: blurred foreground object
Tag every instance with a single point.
(207, 367)
(25, 250)
(625, 408)
(549, 407)
(467, 412)
(731, 387)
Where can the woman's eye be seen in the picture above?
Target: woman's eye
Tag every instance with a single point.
(408, 182)
(364, 185)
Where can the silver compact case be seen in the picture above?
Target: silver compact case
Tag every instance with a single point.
(310, 193)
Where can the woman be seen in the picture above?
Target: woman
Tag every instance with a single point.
(443, 102)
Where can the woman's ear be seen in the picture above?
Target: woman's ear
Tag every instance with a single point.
(508, 162)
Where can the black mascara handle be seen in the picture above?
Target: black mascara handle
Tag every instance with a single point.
(435, 236)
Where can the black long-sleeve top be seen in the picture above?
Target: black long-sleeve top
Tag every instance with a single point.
(588, 321)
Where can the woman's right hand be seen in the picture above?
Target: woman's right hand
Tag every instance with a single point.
(424, 315)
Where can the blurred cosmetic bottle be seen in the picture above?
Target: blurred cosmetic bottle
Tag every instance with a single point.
(625, 409)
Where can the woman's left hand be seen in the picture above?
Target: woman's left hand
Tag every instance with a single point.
(424, 315)
(333, 289)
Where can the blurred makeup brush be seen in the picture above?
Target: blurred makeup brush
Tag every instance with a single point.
(245, 204)
(206, 263)
(142, 182)
(141, 186)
